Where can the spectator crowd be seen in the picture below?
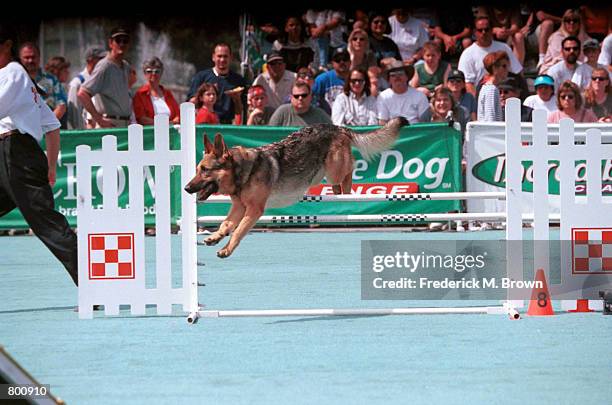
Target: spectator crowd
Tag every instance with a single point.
(324, 66)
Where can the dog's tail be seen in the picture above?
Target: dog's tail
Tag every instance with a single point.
(372, 143)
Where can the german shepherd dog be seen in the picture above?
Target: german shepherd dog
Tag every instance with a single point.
(278, 174)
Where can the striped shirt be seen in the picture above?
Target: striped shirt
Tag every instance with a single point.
(489, 106)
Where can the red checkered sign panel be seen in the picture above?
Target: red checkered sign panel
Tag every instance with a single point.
(591, 250)
(111, 256)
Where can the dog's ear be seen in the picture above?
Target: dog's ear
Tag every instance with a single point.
(220, 147)
(208, 146)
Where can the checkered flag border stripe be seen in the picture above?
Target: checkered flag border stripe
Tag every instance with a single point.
(312, 198)
(403, 218)
(408, 197)
(295, 219)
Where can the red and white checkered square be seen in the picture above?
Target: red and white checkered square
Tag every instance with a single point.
(591, 250)
(111, 256)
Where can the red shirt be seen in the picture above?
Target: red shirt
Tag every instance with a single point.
(143, 106)
(206, 117)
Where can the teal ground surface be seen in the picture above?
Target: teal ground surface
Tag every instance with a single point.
(450, 359)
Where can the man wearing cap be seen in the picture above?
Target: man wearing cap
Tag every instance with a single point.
(329, 84)
(508, 88)
(543, 99)
(110, 80)
(456, 84)
(400, 100)
(77, 116)
(582, 75)
(276, 80)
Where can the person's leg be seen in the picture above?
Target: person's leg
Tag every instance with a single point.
(546, 29)
(518, 46)
(33, 196)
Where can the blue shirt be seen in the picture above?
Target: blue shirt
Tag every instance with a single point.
(224, 107)
(327, 86)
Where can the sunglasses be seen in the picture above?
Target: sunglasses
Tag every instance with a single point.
(571, 48)
(122, 40)
(357, 81)
(304, 76)
(566, 96)
(571, 20)
(599, 78)
(153, 71)
(359, 39)
(483, 30)
(300, 96)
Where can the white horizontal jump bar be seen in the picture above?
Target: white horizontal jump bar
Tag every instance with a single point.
(345, 312)
(480, 195)
(383, 218)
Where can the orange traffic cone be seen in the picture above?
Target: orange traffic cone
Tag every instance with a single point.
(540, 304)
(581, 306)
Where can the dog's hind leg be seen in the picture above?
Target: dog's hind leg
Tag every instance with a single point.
(229, 224)
(252, 214)
(347, 183)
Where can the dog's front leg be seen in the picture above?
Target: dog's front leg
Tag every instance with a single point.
(252, 214)
(229, 224)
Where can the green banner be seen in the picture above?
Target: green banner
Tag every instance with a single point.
(427, 157)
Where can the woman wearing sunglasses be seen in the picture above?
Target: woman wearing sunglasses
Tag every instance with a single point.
(355, 105)
(152, 98)
(569, 102)
(598, 95)
(571, 25)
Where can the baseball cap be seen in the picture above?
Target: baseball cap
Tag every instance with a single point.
(590, 44)
(95, 52)
(456, 74)
(508, 83)
(544, 80)
(340, 53)
(119, 32)
(274, 55)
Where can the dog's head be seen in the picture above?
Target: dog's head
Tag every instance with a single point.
(214, 172)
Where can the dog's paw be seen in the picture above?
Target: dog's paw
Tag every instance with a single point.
(223, 253)
(213, 239)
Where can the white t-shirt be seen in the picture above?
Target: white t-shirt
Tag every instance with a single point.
(536, 102)
(471, 61)
(410, 105)
(605, 57)
(409, 36)
(560, 73)
(159, 105)
(21, 107)
(582, 75)
(347, 110)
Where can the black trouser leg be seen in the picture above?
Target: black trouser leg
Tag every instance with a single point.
(28, 187)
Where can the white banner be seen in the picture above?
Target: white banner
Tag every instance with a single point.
(485, 154)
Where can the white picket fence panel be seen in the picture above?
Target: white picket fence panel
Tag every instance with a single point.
(111, 239)
(592, 211)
